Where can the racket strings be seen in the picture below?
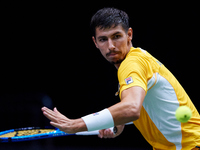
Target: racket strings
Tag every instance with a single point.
(27, 132)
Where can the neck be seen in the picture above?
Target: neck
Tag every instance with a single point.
(128, 49)
(117, 66)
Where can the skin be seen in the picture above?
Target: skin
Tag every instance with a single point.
(114, 43)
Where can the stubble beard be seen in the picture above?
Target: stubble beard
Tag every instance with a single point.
(116, 62)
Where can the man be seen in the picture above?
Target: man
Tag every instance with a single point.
(149, 93)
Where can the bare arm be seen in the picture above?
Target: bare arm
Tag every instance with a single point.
(123, 112)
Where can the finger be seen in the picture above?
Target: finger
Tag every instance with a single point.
(57, 125)
(108, 133)
(101, 133)
(56, 111)
(43, 108)
(49, 116)
(111, 134)
(49, 111)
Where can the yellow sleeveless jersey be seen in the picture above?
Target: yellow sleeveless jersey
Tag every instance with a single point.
(164, 94)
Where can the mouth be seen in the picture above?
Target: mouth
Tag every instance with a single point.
(112, 54)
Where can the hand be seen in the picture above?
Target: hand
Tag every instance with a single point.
(58, 120)
(107, 133)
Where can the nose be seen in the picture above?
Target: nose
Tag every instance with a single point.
(111, 45)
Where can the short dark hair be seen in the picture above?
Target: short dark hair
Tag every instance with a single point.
(108, 17)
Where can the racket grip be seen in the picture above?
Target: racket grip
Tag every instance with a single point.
(96, 132)
(114, 129)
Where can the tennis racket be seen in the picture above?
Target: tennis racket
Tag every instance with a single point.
(35, 133)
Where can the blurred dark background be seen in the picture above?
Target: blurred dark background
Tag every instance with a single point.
(48, 58)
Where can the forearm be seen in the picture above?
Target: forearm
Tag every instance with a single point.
(100, 120)
(130, 106)
(124, 112)
(79, 125)
(118, 114)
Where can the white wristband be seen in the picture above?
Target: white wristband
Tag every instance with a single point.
(99, 120)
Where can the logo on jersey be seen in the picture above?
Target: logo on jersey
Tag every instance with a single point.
(95, 114)
(129, 80)
(159, 63)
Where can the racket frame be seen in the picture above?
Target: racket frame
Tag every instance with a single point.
(55, 133)
(38, 136)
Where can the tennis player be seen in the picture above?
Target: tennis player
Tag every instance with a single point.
(149, 92)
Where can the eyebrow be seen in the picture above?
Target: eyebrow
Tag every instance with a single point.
(106, 36)
(101, 37)
(117, 33)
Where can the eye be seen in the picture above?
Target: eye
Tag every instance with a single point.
(117, 36)
(102, 39)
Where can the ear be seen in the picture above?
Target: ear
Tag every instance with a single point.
(130, 34)
(94, 40)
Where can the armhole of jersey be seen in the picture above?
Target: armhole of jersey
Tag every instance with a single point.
(117, 93)
(152, 82)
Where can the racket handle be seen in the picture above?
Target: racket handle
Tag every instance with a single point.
(88, 133)
(114, 129)
(96, 132)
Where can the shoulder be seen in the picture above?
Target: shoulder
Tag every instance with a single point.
(134, 59)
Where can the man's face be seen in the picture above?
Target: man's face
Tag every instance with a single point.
(114, 43)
